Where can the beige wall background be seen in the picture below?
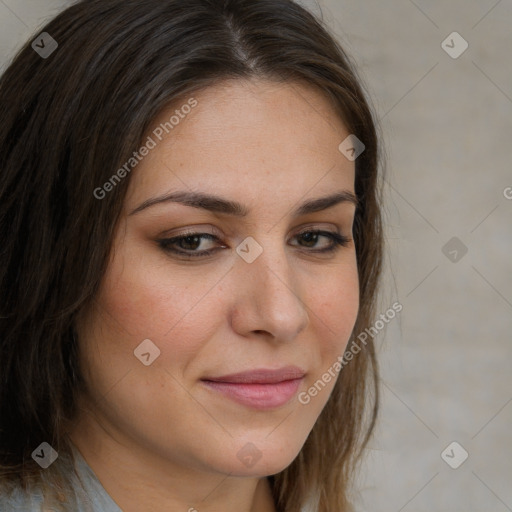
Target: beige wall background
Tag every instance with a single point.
(446, 358)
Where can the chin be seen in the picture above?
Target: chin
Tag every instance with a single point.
(253, 458)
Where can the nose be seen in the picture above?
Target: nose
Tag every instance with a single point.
(268, 298)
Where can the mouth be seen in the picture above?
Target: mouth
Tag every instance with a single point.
(260, 388)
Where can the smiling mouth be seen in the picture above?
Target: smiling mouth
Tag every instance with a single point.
(260, 388)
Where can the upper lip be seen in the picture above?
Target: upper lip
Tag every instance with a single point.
(261, 376)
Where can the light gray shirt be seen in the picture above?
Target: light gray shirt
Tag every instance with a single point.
(90, 496)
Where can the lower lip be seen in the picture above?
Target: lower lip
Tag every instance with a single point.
(258, 396)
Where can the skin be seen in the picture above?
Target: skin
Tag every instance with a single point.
(156, 436)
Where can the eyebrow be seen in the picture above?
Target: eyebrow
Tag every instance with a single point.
(218, 204)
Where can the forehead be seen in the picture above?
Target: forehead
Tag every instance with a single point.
(251, 139)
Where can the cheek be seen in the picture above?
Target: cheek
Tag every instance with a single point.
(140, 301)
(154, 300)
(333, 313)
(335, 306)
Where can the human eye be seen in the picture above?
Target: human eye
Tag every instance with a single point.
(186, 244)
(311, 237)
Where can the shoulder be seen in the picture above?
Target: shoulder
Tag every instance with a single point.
(82, 493)
(14, 499)
(43, 493)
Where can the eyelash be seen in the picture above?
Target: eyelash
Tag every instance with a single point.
(337, 239)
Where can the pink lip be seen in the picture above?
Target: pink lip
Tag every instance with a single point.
(260, 388)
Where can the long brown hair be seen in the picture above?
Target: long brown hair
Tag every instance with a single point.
(70, 120)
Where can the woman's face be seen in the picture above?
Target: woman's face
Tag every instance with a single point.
(264, 298)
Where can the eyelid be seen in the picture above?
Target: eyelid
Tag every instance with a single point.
(190, 231)
(337, 239)
(213, 231)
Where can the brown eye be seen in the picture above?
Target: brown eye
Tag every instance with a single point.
(311, 240)
(187, 245)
